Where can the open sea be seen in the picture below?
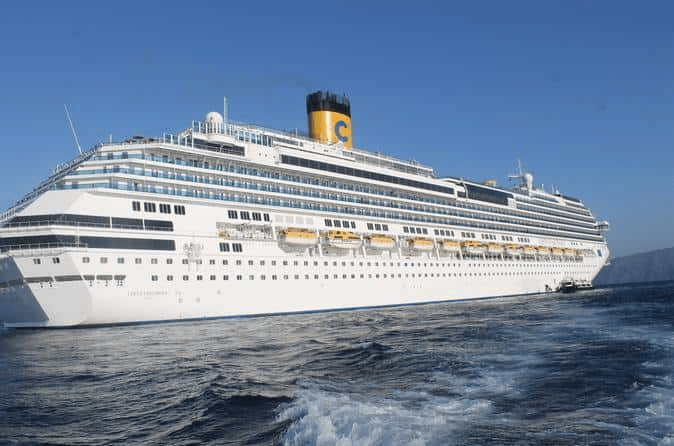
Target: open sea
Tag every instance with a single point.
(591, 368)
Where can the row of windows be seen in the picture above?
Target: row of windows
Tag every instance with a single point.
(311, 164)
(334, 263)
(377, 227)
(236, 247)
(54, 260)
(474, 220)
(391, 204)
(250, 277)
(245, 215)
(163, 207)
(242, 169)
(119, 278)
(554, 205)
(537, 207)
(121, 260)
(375, 202)
(231, 149)
(489, 195)
(339, 224)
(412, 230)
(43, 241)
(361, 188)
(444, 232)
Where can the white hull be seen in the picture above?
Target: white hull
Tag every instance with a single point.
(295, 288)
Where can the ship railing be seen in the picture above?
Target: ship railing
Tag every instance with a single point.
(40, 248)
(263, 136)
(26, 224)
(235, 129)
(59, 172)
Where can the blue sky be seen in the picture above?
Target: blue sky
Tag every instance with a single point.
(582, 91)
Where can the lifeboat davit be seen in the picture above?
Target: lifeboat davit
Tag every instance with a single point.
(380, 241)
(494, 248)
(342, 239)
(450, 245)
(529, 250)
(298, 237)
(420, 244)
(513, 250)
(471, 247)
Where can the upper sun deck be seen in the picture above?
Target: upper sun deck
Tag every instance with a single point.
(255, 134)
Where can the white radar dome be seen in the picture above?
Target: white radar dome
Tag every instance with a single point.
(529, 180)
(214, 118)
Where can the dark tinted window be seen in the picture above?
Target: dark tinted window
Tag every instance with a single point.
(363, 174)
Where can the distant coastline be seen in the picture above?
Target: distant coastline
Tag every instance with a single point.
(652, 266)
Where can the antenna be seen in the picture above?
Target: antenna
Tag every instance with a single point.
(224, 110)
(72, 127)
(520, 172)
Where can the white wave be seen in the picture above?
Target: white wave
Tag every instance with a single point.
(322, 418)
(362, 345)
(654, 415)
(667, 441)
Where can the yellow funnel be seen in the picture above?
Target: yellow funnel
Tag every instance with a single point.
(329, 118)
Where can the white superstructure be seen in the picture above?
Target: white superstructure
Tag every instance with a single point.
(225, 219)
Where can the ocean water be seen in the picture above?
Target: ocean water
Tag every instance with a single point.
(591, 368)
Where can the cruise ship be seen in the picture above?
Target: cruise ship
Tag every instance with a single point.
(227, 219)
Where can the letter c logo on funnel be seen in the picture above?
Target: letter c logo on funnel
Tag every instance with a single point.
(338, 126)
